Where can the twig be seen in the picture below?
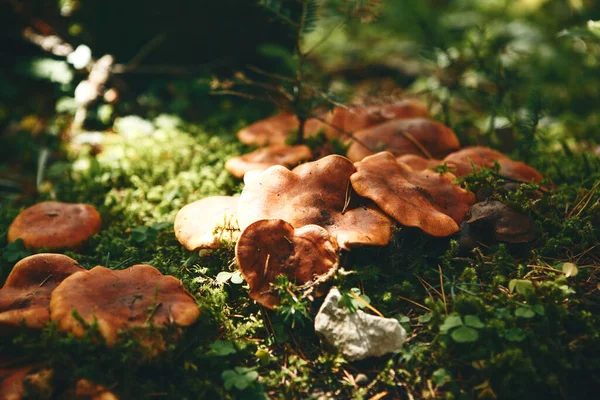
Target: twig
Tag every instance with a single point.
(147, 49)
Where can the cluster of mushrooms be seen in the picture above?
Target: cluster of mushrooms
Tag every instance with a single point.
(296, 221)
(53, 287)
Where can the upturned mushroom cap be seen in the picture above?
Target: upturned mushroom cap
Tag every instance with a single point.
(121, 300)
(261, 159)
(480, 156)
(276, 129)
(55, 225)
(25, 296)
(357, 117)
(271, 247)
(405, 136)
(204, 223)
(424, 199)
(314, 193)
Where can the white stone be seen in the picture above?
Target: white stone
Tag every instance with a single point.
(357, 335)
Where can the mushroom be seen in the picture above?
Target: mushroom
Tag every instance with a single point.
(491, 221)
(204, 223)
(404, 136)
(121, 300)
(276, 129)
(357, 117)
(418, 163)
(86, 389)
(18, 381)
(261, 159)
(25, 296)
(55, 225)
(271, 247)
(424, 199)
(480, 156)
(318, 193)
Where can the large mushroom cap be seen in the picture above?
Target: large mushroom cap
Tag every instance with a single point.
(25, 296)
(120, 300)
(357, 117)
(261, 159)
(480, 156)
(276, 129)
(272, 247)
(204, 223)
(314, 193)
(418, 163)
(424, 199)
(55, 225)
(405, 136)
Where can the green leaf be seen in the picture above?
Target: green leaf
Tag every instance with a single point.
(473, 321)
(521, 286)
(223, 276)
(464, 334)
(425, 318)
(515, 335)
(524, 312)
(451, 321)
(570, 269)
(222, 348)
(441, 376)
(538, 309)
(237, 278)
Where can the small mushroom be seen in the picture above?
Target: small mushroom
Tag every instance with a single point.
(18, 381)
(480, 156)
(424, 199)
(261, 159)
(491, 221)
(357, 117)
(271, 247)
(204, 223)
(314, 193)
(55, 225)
(86, 389)
(121, 300)
(25, 296)
(404, 136)
(276, 129)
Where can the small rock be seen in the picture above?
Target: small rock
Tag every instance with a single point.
(357, 335)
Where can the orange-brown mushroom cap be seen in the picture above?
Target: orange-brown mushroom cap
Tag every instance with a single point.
(263, 158)
(424, 199)
(418, 163)
(25, 296)
(358, 117)
(204, 223)
(55, 225)
(404, 136)
(480, 156)
(271, 247)
(121, 300)
(276, 129)
(314, 193)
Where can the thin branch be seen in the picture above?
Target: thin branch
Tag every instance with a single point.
(324, 38)
(147, 49)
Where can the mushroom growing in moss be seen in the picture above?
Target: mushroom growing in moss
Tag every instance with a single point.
(276, 129)
(55, 225)
(204, 223)
(424, 199)
(263, 158)
(405, 136)
(271, 247)
(315, 193)
(25, 296)
(136, 297)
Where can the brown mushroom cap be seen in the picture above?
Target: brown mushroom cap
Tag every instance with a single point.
(86, 389)
(418, 163)
(204, 223)
(25, 296)
(480, 156)
(11, 381)
(271, 247)
(357, 117)
(276, 129)
(405, 136)
(55, 225)
(508, 225)
(121, 300)
(314, 193)
(261, 159)
(424, 199)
